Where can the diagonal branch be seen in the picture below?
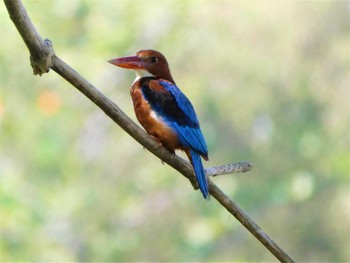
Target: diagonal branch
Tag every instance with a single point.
(43, 58)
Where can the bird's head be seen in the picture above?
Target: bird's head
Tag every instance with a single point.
(146, 63)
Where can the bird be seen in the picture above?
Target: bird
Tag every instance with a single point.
(164, 111)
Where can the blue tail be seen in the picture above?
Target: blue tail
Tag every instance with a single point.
(200, 173)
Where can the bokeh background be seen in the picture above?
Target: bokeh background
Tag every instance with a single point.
(270, 84)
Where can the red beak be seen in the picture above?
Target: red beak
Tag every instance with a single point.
(132, 62)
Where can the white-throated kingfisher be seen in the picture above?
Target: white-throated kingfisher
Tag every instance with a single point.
(164, 111)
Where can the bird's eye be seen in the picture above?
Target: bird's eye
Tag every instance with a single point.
(154, 59)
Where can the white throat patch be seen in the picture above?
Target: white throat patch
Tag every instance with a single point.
(140, 73)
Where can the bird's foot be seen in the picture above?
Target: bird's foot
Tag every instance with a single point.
(157, 141)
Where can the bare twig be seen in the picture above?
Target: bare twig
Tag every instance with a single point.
(241, 167)
(43, 57)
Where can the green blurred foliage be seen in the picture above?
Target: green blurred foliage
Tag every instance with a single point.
(270, 83)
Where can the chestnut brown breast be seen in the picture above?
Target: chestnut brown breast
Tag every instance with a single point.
(152, 123)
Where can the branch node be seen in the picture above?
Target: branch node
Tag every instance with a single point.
(42, 64)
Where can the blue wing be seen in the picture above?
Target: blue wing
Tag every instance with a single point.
(177, 111)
